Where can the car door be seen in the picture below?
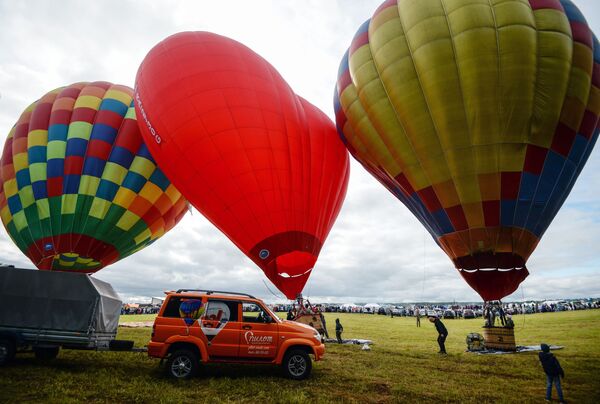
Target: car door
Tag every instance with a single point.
(221, 326)
(258, 334)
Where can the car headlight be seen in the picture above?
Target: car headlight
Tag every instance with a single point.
(317, 336)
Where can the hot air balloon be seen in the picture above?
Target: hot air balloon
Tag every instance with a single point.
(477, 115)
(262, 164)
(79, 189)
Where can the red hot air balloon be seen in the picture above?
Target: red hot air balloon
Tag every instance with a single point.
(262, 164)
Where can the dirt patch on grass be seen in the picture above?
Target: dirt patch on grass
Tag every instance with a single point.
(137, 324)
(381, 387)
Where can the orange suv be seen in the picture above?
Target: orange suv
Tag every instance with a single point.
(206, 326)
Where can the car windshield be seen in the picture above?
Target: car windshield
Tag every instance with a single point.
(272, 313)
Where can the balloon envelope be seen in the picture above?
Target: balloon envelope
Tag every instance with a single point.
(478, 116)
(262, 164)
(79, 189)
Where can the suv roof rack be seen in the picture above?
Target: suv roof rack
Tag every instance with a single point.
(210, 292)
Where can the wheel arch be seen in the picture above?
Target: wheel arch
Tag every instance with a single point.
(200, 351)
(291, 344)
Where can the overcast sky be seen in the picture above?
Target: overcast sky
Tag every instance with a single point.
(377, 251)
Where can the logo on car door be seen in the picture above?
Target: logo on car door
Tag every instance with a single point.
(252, 339)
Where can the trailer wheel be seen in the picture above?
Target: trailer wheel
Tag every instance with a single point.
(7, 351)
(46, 353)
(182, 364)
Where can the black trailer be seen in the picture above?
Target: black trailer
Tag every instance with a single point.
(44, 311)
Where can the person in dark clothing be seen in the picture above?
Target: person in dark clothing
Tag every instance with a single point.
(502, 315)
(442, 333)
(290, 315)
(553, 372)
(487, 315)
(324, 325)
(338, 330)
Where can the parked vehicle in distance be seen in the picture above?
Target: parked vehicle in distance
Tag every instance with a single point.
(202, 326)
(449, 314)
(468, 313)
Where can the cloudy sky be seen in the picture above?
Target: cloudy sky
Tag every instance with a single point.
(377, 251)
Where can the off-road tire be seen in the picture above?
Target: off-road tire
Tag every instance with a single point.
(182, 364)
(296, 364)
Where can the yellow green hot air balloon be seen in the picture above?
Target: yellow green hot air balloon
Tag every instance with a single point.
(479, 116)
(79, 190)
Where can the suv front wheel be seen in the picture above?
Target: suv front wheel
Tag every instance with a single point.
(182, 364)
(297, 364)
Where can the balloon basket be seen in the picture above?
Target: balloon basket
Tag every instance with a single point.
(313, 320)
(500, 338)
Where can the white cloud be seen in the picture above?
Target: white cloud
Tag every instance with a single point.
(377, 251)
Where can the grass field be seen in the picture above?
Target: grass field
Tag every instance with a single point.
(402, 366)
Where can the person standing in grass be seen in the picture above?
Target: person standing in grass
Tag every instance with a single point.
(442, 333)
(553, 372)
(338, 330)
(418, 314)
(325, 333)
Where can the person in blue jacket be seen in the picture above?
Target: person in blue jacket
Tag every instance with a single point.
(553, 372)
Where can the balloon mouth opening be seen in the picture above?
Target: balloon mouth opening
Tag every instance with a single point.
(492, 269)
(490, 261)
(70, 261)
(72, 252)
(493, 275)
(295, 264)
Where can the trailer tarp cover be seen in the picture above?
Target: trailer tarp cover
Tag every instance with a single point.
(57, 301)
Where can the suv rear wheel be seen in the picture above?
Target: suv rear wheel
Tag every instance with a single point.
(182, 364)
(297, 364)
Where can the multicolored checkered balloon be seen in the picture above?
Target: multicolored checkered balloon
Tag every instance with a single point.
(79, 189)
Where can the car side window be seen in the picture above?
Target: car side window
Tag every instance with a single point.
(253, 313)
(221, 311)
(172, 308)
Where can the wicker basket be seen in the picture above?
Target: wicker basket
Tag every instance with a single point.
(501, 338)
(314, 320)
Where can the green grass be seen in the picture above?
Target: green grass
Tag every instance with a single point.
(402, 366)
(130, 318)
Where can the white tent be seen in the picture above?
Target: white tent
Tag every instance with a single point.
(349, 306)
(372, 307)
